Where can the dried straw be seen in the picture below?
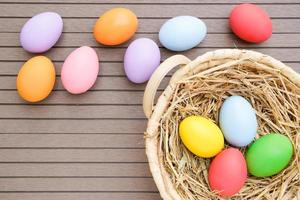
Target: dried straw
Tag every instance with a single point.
(199, 88)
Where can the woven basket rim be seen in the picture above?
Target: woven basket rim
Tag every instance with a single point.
(161, 178)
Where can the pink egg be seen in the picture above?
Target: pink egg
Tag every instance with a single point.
(80, 70)
(227, 172)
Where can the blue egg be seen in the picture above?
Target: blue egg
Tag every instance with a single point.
(238, 121)
(182, 33)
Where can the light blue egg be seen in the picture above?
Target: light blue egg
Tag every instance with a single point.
(238, 121)
(182, 33)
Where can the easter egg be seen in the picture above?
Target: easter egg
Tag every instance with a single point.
(227, 172)
(80, 70)
(41, 32)
(36, 79)
(250, 23)
(269, 154)
(141, 59)
(201, 136)
(238, 121)
(182, 33)
(115, 26)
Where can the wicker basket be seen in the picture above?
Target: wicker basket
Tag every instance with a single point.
(198, 88)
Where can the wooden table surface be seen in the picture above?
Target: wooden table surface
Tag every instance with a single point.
(91, 146)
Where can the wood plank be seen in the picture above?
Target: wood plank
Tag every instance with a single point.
(72, 155)
(71, 141)
(106, 69)
(92, 97)
(81, 196)
(154, 1)
(147, 25)
(102, 83)
(211, 40)
(117, 54)
(78, 184)
(83, 126)
(71, 112)
(152, 11)
(74, 170)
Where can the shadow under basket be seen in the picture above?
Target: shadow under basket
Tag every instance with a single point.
(198, 88)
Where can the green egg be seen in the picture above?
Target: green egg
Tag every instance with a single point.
(269, 155)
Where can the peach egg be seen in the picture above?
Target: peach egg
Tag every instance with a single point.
(36, 79)
(115, 26)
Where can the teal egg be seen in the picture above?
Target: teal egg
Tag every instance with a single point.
(238, 121)
(269, 155)
(182, 33)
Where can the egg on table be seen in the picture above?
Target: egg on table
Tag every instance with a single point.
(36, 79)
(141, 59)
(238, 121)
(182, 33)
(201, 136)
(41, 32)
(250, 23)
(269, 154)
(227, 172)
(80, 70)
(115, 26)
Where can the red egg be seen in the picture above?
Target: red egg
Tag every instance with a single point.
(250, 23)
(227, 172)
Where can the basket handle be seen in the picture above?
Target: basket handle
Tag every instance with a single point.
(156, 78)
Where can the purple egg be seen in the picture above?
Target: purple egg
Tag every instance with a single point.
(141, 59)
(41, 32)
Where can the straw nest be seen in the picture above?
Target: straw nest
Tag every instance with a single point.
(199, 88)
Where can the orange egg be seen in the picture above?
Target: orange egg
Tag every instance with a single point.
(36, 79)
(115, 26)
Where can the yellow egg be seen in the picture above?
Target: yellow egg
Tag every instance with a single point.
(201, 136)
(36, 79)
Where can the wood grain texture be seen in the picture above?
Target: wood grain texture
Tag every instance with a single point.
(91, 98)
(103, 83)
(80, 196)
(106, 69)
(211, 40)
(73, 155)
(89, 141)
(74, 170)
(152, 10)
(91, 146)
(72, 112)
(148, 25)
(78, 184)
(154, 1)
(73, 126)
(111, 69)
(116, 54)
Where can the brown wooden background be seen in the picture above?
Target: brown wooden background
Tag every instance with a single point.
(91, 146)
